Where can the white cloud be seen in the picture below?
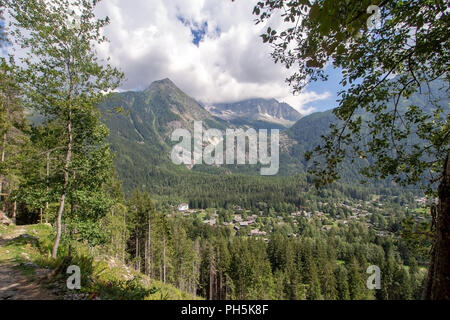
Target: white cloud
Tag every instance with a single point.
(149, 42)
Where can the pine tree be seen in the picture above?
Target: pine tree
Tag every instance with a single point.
(342, 283)
(356, 283)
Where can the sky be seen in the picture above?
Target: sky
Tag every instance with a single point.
(211, 49)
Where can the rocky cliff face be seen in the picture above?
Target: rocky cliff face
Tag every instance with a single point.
(262, 110)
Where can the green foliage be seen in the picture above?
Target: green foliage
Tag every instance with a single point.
(115, 224)
(125, 290)
(13, 130)
(380, 75)
(63, 79)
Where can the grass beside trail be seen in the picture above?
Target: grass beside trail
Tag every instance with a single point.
(101, 277)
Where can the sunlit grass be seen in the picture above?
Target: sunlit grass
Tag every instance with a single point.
(98, 277)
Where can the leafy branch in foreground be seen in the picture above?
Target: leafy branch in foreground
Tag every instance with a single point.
(385, 71)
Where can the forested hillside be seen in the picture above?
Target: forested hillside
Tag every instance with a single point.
(140, 138)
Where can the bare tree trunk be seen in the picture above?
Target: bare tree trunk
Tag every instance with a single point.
(225, 288)
(138, 262)
(438, 284)
(149, 246)
(194, 275)
(113, 240)
(58, 225)
(47, 174)
(196, 266)
(212, 271)
(2, 159)
(124, 234)
(164, 259)
(65, 184)
(146, 256)
(46, 212)
(219, 287)
(181, 280)
(14, 212)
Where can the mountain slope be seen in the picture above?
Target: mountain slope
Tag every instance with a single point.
(140, 134)
(256, 113)
(157, 111)
(306, 134)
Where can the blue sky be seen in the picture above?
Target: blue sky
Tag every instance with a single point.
(331, 86)
(198, 31)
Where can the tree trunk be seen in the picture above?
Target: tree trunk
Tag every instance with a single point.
(138, 262)
(212, 271)
(438, 284)
(220, 286)
(14, 212)
(196, 267)
(149, 257)
(2, 159)
(164, 259)
(47, 174)
(146, 257)
(124, 237)
(65, 184)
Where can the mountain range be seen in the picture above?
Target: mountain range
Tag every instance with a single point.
(140, 135)
(256, 113)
